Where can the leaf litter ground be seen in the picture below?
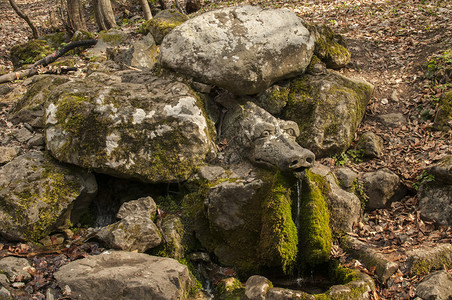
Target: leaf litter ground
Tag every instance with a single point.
(390, 42)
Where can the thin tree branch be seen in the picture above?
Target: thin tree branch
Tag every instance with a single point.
(25, 17)
(45, 61)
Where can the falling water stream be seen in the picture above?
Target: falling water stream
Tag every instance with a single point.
(300, 176)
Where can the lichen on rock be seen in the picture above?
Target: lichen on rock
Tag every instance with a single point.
(328, 109)
(155, 132)
(32, 208)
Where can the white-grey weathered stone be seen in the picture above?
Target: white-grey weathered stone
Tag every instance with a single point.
(133, 233)
(242, 49)
(144, 207)
(8, 153)
(135, 126)
(123, 276)
(256, 287)
(15, 268)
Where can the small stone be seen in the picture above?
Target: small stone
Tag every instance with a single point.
(371, 144)
(7, 154)
(4, 293)
(144, 206)
(23, 135)
(18, 285)
(394, 96)
(15, 268)
(437, 285)
(201, 87)
(199, 257)
(383, 187)
(392, 119)
(36, 141)
(256, 287)
(384, 101)
(5, 89)
(4, 281)
(346, 177)
(50, 294)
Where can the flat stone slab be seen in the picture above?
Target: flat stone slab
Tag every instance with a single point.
(124, 275)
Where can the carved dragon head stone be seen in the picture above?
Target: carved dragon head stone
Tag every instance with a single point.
(264, 139)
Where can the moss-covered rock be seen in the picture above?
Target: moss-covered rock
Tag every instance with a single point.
(230, 289)
(344, 207)
(347, 284)
(423, 260)
(163, 23)
(273, 99)
(328, 109)
(29, 52)
(279, 236)
(439, 68)
(246, 223)
(315, 232)
(37, 195)
(443, 117)
(329, 46)
(155, 132)
(30, 108)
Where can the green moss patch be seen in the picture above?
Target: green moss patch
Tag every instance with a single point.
(315, 233)
(279, 237)
(30, 52)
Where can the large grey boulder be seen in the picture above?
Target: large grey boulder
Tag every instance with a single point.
(328, 109)
(154, 131)
(242, 49)
(125, 275)
(37, 194)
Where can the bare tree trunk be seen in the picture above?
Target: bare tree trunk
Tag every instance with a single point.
(76, 16)
(104, 14)
(25, 17)
(146, 9)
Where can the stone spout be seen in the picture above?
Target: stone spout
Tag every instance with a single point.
(283, 152)
(266, 140)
